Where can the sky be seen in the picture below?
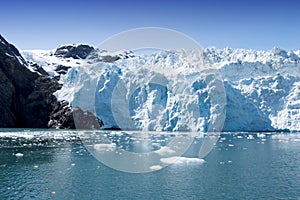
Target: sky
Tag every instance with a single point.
(255, 24)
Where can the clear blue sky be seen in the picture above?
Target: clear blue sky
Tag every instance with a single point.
(39, 24)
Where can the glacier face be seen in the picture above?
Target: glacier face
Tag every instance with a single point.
(261, 87)
(245, 90)
(161, 92)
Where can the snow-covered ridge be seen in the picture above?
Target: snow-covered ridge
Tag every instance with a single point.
(253, 63)
(276, 55)
(274, 60)
(262, 87)
(52, 60)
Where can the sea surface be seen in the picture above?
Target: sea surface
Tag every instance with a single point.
(49, 164)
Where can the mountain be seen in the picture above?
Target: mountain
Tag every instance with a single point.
(27, 98)
(245, 90)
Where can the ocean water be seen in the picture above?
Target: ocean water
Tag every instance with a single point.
(43, 164)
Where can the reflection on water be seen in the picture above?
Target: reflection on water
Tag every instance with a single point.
(240, 166)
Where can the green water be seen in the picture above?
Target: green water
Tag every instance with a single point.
(239, 167)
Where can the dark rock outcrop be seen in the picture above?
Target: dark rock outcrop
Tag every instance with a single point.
(74, 51)
(61, 69)
(109, 57)
(38, 68)
(26, 98)
(62, 116)
(86, 120)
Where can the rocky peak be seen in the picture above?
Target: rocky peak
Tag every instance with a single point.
(13, 66)
(80, 51)
(26, 98)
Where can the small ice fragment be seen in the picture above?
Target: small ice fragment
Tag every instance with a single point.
(229, 161)
(163, 151)
(105, 147)
(19, 154)
(239, 137)
(155, 167)
(35, 166)
(73, 164)
(181, 160)
(261, 135)
(230, 145)
(250, 137)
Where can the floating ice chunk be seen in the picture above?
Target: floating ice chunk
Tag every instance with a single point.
(296, 140)
(231, 145)
(105, 147)
(155, 167)
(283, 141)
(261, 135)
(169, 160)
(250, 137)
(181, 160)
(165, 151)
(19, 155)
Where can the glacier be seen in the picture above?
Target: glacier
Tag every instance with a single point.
(237, 90)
